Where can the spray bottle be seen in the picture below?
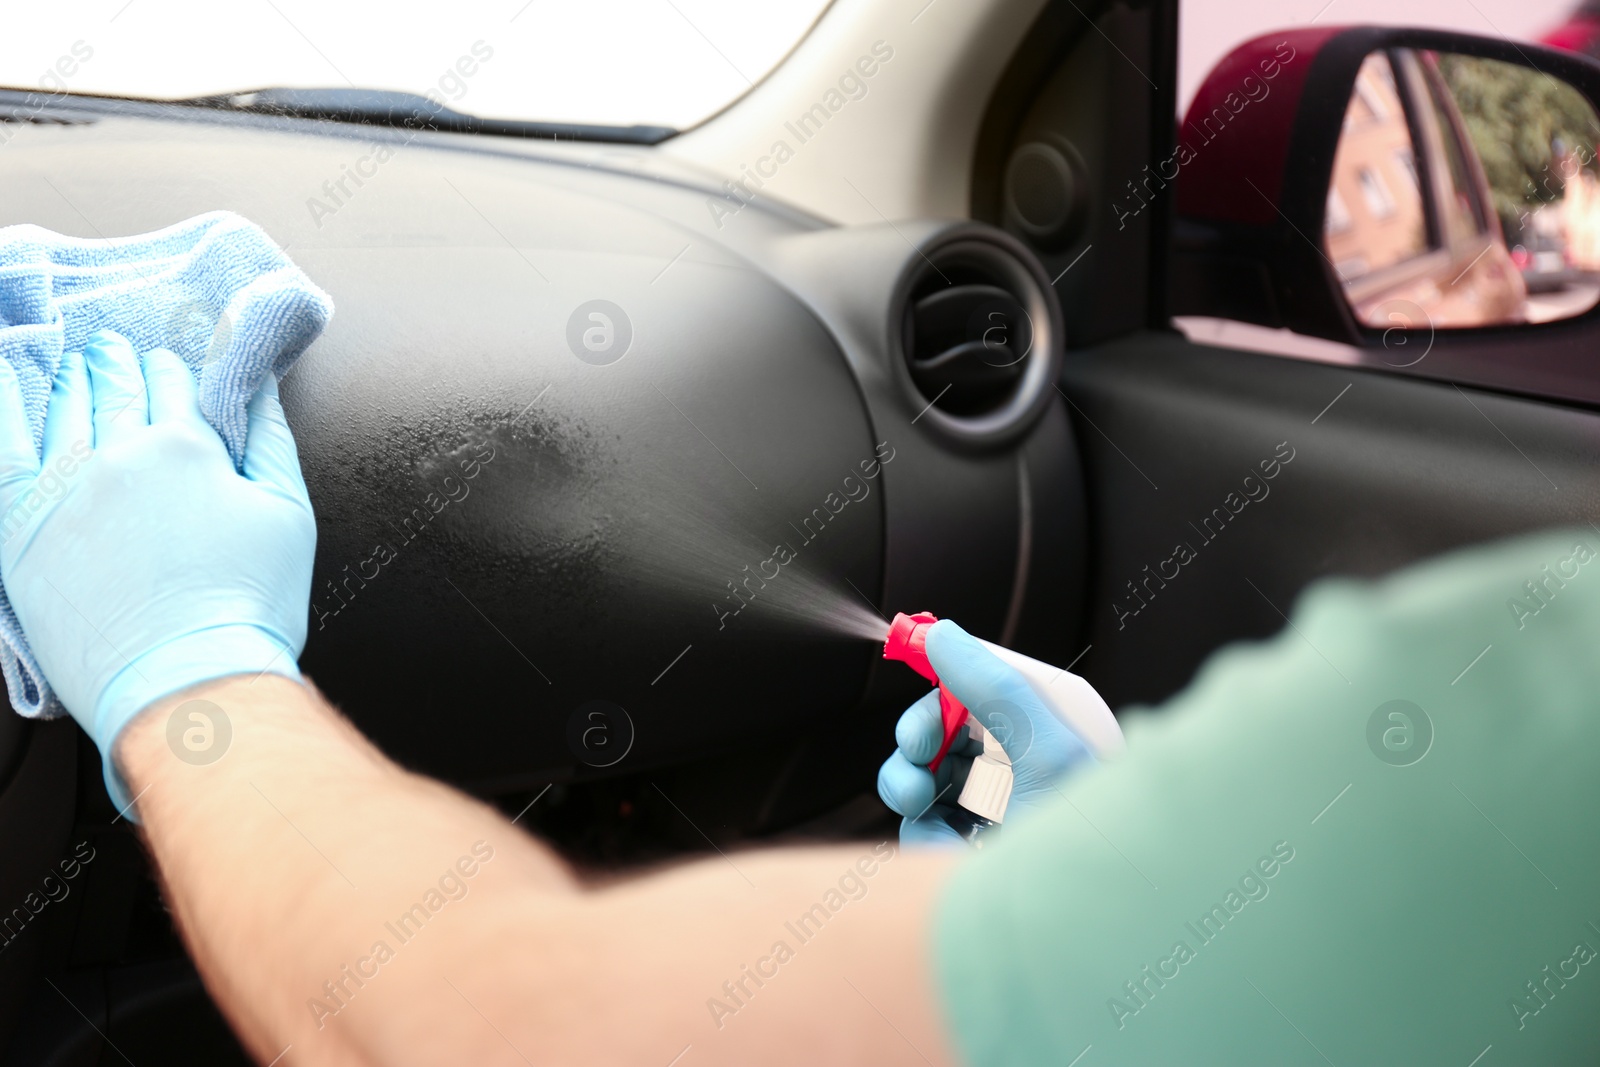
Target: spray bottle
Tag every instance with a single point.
(1069, 698)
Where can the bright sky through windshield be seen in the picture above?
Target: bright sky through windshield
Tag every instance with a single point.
(656, 62)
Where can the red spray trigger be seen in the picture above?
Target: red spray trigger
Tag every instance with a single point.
(908, 643)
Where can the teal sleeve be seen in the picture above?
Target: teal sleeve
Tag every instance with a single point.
(1372, 839)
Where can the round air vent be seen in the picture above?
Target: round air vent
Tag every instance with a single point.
(980, 336)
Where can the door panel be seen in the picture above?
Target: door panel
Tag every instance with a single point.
(1385, 470)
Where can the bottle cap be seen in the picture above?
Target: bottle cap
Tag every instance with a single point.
(988, 789)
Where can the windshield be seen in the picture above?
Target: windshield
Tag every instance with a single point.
(605, 62)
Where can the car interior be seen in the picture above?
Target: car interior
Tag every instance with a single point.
(619, 431)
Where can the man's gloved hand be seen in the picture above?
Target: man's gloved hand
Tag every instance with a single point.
(149, 565)
(1040, 747)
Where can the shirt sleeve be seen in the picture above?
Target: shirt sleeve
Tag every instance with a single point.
(1372, 839)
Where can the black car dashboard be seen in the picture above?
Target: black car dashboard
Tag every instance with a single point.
(609, 461)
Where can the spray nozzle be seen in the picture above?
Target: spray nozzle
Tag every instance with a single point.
(908, 643)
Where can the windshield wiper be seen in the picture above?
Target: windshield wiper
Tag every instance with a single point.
(381, 107)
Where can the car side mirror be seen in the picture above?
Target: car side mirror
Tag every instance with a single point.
(1346, 183)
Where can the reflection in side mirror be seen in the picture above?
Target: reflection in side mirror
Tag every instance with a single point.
(1465, 192)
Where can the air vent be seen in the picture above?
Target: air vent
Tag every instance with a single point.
(968, 344)
(979, 336)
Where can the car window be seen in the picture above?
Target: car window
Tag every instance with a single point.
(608, 62)
(1210, 29)
(1482, 209)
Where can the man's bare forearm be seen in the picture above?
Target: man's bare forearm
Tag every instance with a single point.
(352, 912)
(297, 845)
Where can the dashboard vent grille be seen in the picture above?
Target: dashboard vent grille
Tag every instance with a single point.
(967, 342)
(977, 337)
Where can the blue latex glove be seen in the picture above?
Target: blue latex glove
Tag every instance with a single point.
(149, 565)
(1040, 747)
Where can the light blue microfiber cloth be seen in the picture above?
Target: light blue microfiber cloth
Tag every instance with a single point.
(214, 289)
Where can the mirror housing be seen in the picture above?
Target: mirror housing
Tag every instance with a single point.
(1253, 162)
